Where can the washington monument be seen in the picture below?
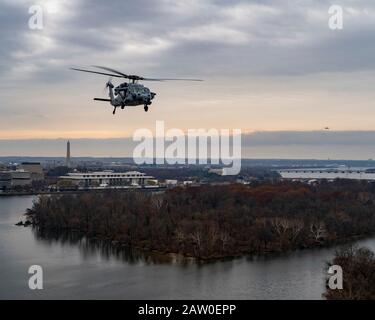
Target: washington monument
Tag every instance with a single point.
(68, 163)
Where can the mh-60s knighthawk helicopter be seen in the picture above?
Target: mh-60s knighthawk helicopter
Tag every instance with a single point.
(129, 93)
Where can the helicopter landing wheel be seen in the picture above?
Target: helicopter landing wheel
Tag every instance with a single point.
(146, 107)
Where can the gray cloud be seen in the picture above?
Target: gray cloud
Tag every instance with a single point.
(310, 138)
(196, 37)
(269, 65)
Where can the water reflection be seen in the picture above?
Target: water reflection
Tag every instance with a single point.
(107, 250)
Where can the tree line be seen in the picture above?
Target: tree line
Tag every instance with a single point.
(217, 221)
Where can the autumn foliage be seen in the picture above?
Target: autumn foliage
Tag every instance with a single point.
(358, 274)
(217, 221)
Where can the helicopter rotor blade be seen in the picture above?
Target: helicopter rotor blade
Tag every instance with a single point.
(135, 77)
(119, 74)
(169, 79)
(112, 70)
(102, 73)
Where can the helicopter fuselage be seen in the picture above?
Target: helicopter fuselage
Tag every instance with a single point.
(130, 94)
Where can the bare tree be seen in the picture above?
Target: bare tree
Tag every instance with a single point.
(196, 236)
(224, 238)
(287, 228)
(318, 230)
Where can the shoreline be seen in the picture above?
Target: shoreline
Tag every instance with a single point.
(215, 222)
(204, 259)
(218, 258)
(38, 193)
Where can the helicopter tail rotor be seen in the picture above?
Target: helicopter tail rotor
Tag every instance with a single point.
(110, 86)
(109, 83)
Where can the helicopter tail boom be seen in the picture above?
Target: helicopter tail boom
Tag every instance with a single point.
(101, 99)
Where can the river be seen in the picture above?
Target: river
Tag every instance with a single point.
(78, 269)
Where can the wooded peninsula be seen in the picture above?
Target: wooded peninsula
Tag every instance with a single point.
(209, 222)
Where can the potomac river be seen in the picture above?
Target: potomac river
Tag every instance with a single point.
(74, 268)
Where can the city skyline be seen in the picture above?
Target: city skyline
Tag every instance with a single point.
(323, 144)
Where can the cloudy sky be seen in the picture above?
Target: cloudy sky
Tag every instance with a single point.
(268, 66)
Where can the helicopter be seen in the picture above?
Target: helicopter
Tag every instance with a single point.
(127, 94)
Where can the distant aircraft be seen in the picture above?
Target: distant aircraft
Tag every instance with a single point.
(128, 94)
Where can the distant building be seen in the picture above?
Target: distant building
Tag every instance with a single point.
(242, 180)
(106, 179)
(153, 182)
(342, 172)
(218, 171)
(171, 182)
(35, 169)
(68, 161)
(14, 178)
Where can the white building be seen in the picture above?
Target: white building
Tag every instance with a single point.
(171, 182)
(342, 172)
(14, 178)
(218, 171)
(35, 169)
(106, 178)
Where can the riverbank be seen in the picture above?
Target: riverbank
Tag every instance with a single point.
(215, 222)
(358, 266)
(78, 191)
(167, 256)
